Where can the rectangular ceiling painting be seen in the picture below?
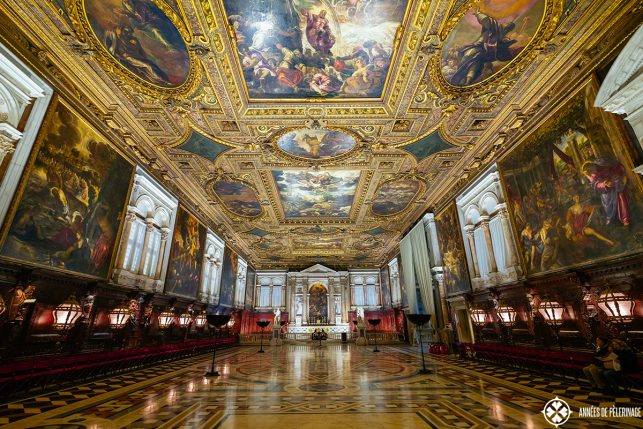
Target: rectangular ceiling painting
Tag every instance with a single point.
(571, 189)
(316, 194)
(73, 196)
(315, 48)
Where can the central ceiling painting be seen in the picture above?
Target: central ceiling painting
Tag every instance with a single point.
(315, 48)
(316, 144)
(316, 193)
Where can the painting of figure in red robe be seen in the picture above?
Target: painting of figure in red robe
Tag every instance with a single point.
(571, 189)
(72, 198)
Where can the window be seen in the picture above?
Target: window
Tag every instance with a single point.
(269, 290)
(264, 296)
(135, 246)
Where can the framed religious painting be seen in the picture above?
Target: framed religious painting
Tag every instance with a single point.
(68, 210)
(186, 256)
(228, 277)
(454, 260)
(572, 194)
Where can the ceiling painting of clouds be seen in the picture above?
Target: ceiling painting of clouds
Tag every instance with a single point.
(312, 48)
(316, 194)
(316, 144)
(394, 196)
(238, 198)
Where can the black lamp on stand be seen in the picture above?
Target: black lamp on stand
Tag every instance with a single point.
(216, 321)
(420, 320)
(374, 323)
(262, 324)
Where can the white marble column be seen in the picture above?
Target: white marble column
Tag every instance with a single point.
(484, 224)
(510, 246)
(149, 227)
(344, 285)
(130, 217)
(165, 233)
(468, 229)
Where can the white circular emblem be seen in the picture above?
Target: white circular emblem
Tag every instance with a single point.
(557, 412)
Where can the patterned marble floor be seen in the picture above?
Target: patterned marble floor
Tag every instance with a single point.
(303, 386)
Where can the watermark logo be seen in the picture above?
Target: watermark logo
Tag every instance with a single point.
(557, 412)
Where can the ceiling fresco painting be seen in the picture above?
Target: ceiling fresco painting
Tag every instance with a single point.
(427, 146)
(238, 198)
(394, 196)
(316, 144)
(316, 194)
(315, 48)
(142, 38)
(488, 37)
(201, 145)
(337, 123)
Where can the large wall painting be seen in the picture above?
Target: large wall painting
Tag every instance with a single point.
(572, 193)
(316, 194)
(454, 260)
(395, 196)
(228, 277)
(238, 198)
(186, 256)
(316, 144)
(73, 196)
(310, 48)
(250, 287)
(488, 37)
(385, 284)
(141, 38)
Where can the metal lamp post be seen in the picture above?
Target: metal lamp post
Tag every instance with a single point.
(262, 324)
(374, 323)
(420, 320)
(215, 321)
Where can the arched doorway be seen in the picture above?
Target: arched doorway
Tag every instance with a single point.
(318, 304)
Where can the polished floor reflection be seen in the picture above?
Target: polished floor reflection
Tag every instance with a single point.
(303, 386)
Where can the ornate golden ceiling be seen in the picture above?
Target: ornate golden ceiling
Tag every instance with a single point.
(310, 131)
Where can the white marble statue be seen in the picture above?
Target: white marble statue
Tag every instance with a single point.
(277, 317)
(299, 310)
(360, 316)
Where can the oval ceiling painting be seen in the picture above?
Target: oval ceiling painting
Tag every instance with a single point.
(238, 198)
(142, 38)
(394, 196)
(488, 37)
(316, 144)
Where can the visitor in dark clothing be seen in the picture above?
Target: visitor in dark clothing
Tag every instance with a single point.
(593, 371)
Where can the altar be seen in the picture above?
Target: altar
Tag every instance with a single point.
(318, 297)
(329, 329)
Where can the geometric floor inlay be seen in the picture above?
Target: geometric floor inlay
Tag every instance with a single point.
(302, 386)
